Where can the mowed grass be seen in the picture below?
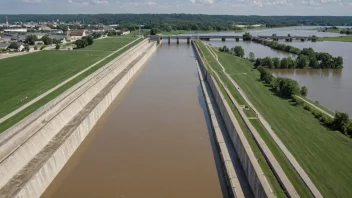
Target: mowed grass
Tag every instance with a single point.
(25, 77)
(337, 38)
(325, 155)
(261, 159)
(109, 44)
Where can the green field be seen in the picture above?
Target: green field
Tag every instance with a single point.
(109, 44)
(285, 164)
(261, 159)
(337, 38)
(325, 155)
(23, 78)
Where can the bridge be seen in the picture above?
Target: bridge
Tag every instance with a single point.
(224, 37)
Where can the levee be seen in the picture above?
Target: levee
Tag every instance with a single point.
(255, 176)
(154, 141)
(35, 150)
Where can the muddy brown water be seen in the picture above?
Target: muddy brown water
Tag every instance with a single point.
(332, 88)
(154, 141)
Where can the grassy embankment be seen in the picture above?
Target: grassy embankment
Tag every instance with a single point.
(26, 77)
(337, 38)
(264, 165)
(325, 155)
(285, 164)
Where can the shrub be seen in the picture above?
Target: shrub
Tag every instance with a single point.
(304, 91)
(42, 47)
(308, 107)
(35, 48)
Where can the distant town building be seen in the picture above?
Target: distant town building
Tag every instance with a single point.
(125, 32)
(44, 28)
(59, 37)
(17, 30)
(38, 43)
(3, 46)
(77, 34)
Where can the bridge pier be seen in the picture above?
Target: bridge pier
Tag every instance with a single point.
(223, 39)
(178, 40)
(237, 39)
(188, 40)
(169, 40)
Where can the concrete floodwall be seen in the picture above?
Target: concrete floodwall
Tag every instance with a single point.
(255, 175)
(86, 120)
(35, 136)
(13, 137)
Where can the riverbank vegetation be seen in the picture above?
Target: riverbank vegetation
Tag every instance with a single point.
(316, 147)
(277, 21)
(307, 57)
(288, 88)
(36, 73)
(337, 38)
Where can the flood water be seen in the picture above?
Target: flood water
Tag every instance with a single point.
(154, 141)
(332, 88)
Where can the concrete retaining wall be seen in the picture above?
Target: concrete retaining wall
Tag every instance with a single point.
(87, 118)
(40, 132)
(253, 171)
(11, 138)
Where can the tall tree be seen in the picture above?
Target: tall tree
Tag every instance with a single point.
(251, 56)
(30, 39)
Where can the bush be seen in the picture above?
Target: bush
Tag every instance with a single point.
(340, 121)
(308, 108)
(42, 47)
(326, 119)
(304, 91)
(57, 46)
(35, 48)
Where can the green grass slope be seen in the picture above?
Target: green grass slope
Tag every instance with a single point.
(325, 155)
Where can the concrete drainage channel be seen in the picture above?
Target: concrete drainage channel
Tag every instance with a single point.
(33, 154)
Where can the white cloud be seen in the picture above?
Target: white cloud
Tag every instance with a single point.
(32, 1)
(87, 3)
(100, 2)
(202, 1)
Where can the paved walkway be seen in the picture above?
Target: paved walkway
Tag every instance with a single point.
(3, 119)
(311, 104)
(3, 56)
(273, 135)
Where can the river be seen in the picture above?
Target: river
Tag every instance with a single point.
(154, 141)
(332, 88)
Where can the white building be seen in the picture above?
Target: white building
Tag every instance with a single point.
(18, 30)
(77, 34)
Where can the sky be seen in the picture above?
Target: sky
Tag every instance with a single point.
(231, 7)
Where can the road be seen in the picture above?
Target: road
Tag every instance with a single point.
(313, 105)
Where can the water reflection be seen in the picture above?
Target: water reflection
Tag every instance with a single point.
(332, 88)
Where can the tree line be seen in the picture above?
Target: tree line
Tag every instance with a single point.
(288, 88)
(84, 42)
(346, 31)
(284, 87)
(271, 21)
(237, 50)
(31, 39)
(307, 57)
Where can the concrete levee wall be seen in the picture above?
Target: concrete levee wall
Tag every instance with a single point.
(10, 139)
(41, 179)
(255, 175)
(51, 122)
